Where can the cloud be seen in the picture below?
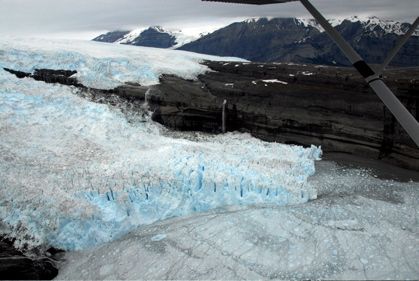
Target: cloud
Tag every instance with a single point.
(22, 17)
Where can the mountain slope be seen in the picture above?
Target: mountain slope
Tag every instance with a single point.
(154, 36)
(111, 37)
(372, 38)
(302, 41)
(256, 40)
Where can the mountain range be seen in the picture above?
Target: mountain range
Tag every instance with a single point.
(283, 40)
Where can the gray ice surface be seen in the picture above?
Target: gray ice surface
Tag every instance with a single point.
(362, 226)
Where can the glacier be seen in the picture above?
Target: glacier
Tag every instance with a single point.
(362, 227)
(75, 174)
(101, 65)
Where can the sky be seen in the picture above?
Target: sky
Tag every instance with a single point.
(84, 19)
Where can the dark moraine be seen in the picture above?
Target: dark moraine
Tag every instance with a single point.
(63, 77)
(326, 106)
(17, 265)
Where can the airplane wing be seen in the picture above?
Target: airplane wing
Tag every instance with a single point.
(253, 2)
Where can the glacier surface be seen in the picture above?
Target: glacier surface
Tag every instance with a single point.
(102, 65)
(75, 174)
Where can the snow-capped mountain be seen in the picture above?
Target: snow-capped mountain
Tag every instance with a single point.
(375, 24)
(155, 36)
(303, 41)
(372, 24)
(254, 39)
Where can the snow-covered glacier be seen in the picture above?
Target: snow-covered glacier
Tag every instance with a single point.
(74, 173)
(99, 65)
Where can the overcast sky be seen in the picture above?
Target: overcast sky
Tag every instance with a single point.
(85, 18)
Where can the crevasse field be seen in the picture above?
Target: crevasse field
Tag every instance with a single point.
(75, 174)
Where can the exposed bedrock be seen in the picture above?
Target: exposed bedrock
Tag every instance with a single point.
(331, 107)
(16, 265)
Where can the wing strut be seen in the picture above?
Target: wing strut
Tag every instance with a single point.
(373, 78)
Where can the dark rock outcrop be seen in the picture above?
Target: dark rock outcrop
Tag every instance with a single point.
(18, 74)
(331, 107)
(63, 77)
(154, 37)
(16, 265)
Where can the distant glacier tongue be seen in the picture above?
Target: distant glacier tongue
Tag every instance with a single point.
(74, 174)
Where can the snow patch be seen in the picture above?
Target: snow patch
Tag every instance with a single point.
(307, 73)
(275, 81)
